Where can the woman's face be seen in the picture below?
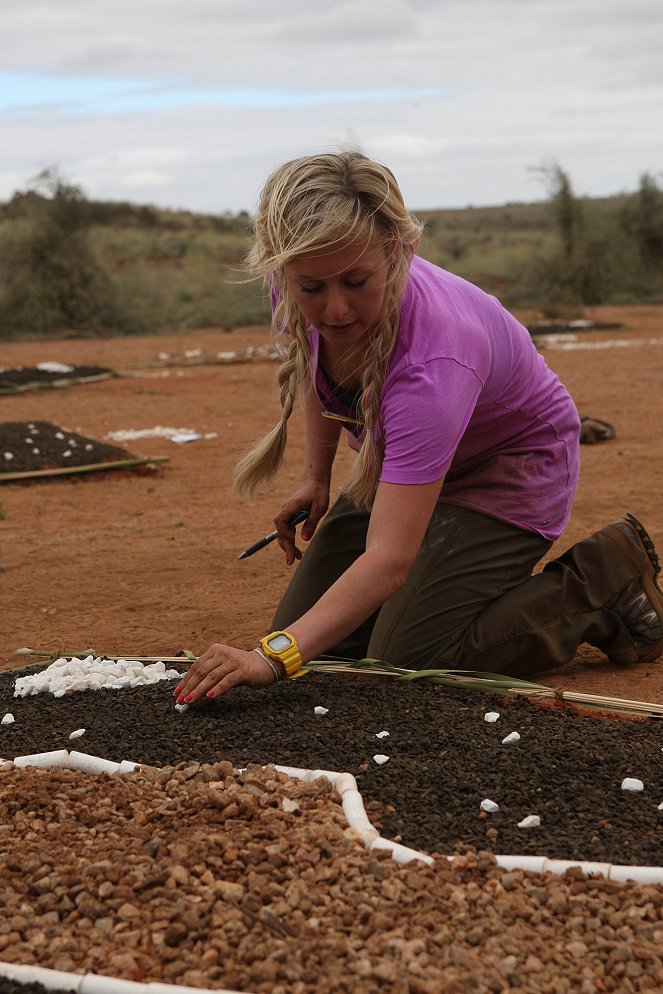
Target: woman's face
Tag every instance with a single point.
(341, 292)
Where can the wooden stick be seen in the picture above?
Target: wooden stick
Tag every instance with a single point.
(36, 474)
(103, 655)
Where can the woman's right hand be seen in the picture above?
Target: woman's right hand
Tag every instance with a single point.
(311, 496)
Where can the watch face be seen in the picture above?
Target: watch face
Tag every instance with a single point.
(279, 642)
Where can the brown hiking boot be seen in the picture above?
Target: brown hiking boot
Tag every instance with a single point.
(640, 606)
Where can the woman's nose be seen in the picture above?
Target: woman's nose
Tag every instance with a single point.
(336, 305)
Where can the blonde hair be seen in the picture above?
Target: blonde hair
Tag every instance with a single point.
(319, 203)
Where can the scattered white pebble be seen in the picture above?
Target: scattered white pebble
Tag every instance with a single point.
(511, 737)
(381, 735)
(288, 805)
(59, 434)
(320, 710)
(89, 447)
(488, 805)
(632, 783)
(181, 708)
(181, 438)
(92, 673)
(8, 719)
(66, 453)
(660, 807)
(70, 441)
(531, 821)
(163, 355)
(35, 452)
(28, 441)
(9, 455)
(55, 367)
(380, 760)
(190, 353)
(77, 734)
(491, 716)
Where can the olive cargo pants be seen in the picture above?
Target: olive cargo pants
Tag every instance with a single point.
(470, 600)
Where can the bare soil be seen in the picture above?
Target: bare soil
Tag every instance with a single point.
(128, 562)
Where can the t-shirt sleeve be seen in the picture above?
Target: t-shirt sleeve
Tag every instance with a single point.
(425, 411)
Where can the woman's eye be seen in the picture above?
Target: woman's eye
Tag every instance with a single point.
(355, 284)
(309, 289)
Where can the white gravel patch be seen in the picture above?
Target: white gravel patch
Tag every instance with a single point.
(65, 676)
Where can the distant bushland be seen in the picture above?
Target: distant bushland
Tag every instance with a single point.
(72, 266)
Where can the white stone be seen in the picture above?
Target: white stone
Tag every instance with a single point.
(380, 760)
(55, 367)
(320, 710)
(488, 805)
(491, 716)
(77, 734)
(181, 708)
(632, 783)
(511, 737)
(531, 821)
(8, 719)
(91, 673)
(381, 735)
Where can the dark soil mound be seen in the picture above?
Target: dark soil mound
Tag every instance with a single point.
(35, 377)
(26, 446)
(444, 759)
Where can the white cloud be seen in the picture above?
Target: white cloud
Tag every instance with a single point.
(132, 99)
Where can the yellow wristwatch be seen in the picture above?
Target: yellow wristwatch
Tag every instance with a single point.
(283, 647)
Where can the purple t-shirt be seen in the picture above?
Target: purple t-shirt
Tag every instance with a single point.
(467, 397)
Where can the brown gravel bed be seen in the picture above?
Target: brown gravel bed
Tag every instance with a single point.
(197, 876)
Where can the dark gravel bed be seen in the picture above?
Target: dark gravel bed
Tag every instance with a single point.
(444, 759)
(20, 377)
(26, 446)
(8, 986)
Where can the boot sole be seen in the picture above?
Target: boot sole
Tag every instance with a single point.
(649, 581)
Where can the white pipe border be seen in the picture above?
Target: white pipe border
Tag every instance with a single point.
(355, 813)
(95, 983)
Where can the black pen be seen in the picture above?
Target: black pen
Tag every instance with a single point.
(294, 520)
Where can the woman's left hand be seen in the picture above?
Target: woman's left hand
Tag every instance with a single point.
(219, 669)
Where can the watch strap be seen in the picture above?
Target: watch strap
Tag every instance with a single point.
(289, 658)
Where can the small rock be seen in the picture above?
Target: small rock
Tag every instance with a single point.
(488, 805)
(531, 821)
(491, 716)
(320, 710)
(511, 737)
(632, 783)
(380, 759)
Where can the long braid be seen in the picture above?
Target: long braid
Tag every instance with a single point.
(362, 482)
(264, 461)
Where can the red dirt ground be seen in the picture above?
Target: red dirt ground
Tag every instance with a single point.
(147, 564)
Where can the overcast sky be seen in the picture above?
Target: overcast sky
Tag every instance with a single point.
(190, 103)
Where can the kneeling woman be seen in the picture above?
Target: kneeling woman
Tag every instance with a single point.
(467, 460)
